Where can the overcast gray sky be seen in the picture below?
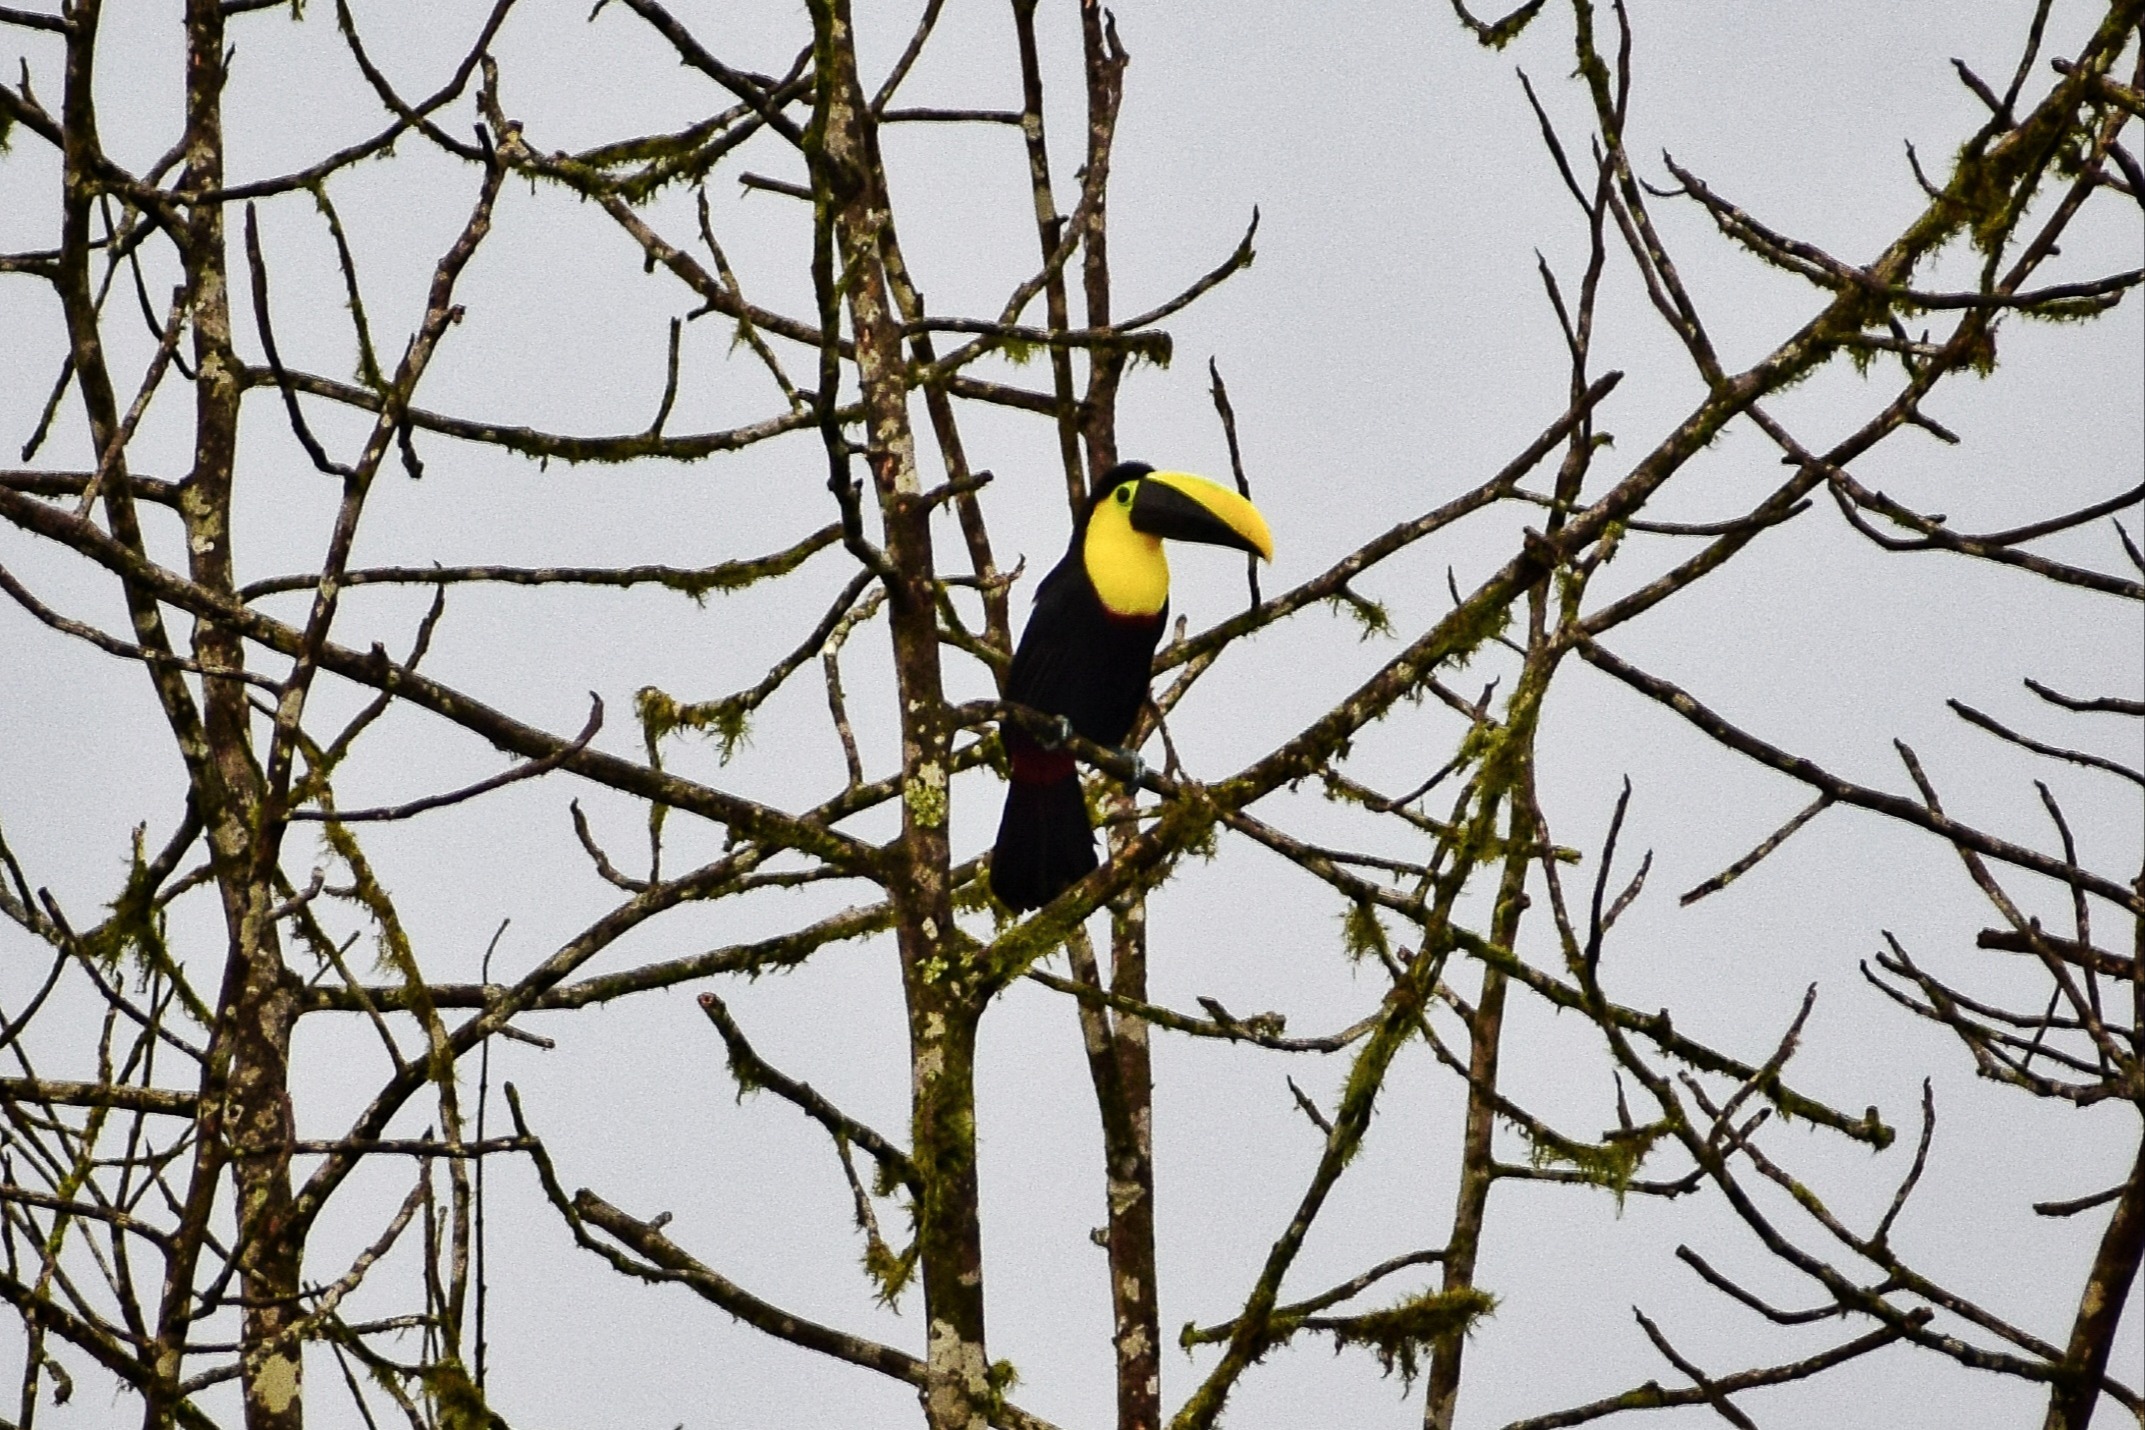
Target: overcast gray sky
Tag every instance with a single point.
(1389, 347)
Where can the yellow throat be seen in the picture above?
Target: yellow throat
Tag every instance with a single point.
(1127, 567)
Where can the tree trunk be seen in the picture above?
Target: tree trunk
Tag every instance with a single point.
(944, 994)
(2100, 1309)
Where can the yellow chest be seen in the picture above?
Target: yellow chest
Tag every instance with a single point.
(1127, 567)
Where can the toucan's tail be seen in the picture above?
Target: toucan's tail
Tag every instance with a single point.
(1044, 844)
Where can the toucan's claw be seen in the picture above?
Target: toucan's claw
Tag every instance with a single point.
(1138, 774)
(1061, 730)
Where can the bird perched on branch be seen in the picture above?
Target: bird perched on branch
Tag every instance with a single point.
(1087, 654)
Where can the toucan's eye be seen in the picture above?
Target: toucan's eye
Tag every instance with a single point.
(1124, 495)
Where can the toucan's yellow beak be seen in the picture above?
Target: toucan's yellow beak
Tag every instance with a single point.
(1182, 507)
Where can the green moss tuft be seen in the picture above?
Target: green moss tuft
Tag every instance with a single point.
(1610, 1163)
(457, 1403)
(728, 721)
(2065, 310)
(890, 1271)
(1485, 627)
(1362, 935)
(136, 926)
(1400, 1334)
(1371, 617)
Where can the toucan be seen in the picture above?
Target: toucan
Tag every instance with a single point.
(1087, 653)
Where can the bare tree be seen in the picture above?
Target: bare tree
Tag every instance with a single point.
(159, 1214)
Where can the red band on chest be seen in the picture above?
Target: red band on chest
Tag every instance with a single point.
(1033, 766)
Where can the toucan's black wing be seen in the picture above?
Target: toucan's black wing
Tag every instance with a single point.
(1038, 669)
(1077, 660)
(1044, 845)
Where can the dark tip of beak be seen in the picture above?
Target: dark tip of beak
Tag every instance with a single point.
(1162, 510)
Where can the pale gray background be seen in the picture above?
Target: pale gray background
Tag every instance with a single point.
(1390, 347)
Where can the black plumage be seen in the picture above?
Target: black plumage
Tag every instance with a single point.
(1087, 655)
(1078, 660)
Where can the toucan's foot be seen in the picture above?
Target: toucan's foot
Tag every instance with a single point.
(1131, 757)
(1061, 731)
